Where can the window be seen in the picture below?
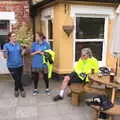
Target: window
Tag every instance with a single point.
(4, 25)
(4, 30)
(95, 46)
(50, 29)
(89, 28)
(90, 33)
(50, 32)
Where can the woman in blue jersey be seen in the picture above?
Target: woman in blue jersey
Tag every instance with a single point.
(38, 66)
(15, 62)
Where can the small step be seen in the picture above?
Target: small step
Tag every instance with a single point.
(5, 77)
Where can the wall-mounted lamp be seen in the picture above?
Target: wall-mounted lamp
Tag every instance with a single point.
(68, 29)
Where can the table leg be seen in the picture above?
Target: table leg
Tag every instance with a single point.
(113, 95)
(95, 114)
(75, 99)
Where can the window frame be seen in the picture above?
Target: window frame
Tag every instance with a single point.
(46, 25)
(104, 53)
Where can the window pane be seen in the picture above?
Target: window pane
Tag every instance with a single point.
(89, 28)
(3, 39)
(50, 29)
(4, 25)
(51, 44)
(4, 30)
(96, 48)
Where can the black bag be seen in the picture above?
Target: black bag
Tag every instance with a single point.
(105, 103)
(103, 115)
(102, 101)
(48, 57)
(104, 70)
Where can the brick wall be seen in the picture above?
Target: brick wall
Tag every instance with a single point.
(21, 9)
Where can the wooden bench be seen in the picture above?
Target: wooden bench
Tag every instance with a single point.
(115, 110)
(78, 89)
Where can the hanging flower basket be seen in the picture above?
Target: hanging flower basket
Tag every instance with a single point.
(68, 29)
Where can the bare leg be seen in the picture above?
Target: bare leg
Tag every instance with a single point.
(63, 87)
(65, 82)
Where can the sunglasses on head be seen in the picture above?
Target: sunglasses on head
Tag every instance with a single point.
(84, 55)
(13, 36)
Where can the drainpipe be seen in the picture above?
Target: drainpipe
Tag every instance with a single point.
(33, 28)
(32, 15)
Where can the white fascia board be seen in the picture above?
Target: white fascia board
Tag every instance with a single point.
(7, 16)
(47, 13)
(93, 10)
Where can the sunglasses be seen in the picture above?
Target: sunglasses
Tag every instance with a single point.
(83, 55)
(13, 36)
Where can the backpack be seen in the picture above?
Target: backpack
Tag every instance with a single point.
(102, 101)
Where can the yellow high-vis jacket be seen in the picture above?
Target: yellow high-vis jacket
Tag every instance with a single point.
(85, 66)
(50, 66)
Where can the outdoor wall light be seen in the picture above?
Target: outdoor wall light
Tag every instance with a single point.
(68, 29)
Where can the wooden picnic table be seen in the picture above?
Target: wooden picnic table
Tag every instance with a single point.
(115, 110)
(106, 81)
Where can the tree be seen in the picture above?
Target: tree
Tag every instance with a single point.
(24, 35)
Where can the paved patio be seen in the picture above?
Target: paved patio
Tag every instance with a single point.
(40, 107)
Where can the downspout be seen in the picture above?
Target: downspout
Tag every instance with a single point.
(33, 20)
(33, 13)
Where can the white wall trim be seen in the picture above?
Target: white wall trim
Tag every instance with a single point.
(93, 10)
(7, 16)
(47, 13)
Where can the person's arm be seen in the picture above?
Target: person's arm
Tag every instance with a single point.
(25, 50)
(33, 52)
(78, 67)
(37, 52)
(95, 65)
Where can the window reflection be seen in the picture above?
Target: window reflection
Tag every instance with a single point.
(96, 48)
(89, 28)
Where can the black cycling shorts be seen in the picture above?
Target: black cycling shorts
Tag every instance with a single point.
(74, 78)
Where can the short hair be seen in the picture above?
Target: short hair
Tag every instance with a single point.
(41, 35)
(87, 51)
(9, 35)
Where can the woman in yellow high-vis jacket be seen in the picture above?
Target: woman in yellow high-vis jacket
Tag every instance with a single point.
(80, 71)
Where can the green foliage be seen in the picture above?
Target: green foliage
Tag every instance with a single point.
(24, 35)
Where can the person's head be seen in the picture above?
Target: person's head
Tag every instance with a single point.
(39, 37)
(86, 53)
(12, 37)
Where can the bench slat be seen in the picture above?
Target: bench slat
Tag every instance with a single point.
(115, 110)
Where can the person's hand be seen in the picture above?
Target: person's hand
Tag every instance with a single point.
(25, 49)
(39, 52)
(24, 46)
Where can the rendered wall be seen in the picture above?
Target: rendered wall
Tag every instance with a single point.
(63, 45)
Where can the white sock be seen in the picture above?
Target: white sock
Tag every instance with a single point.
(61, 93)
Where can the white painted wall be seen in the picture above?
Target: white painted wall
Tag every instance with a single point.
(3, 65)
(11, 17)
